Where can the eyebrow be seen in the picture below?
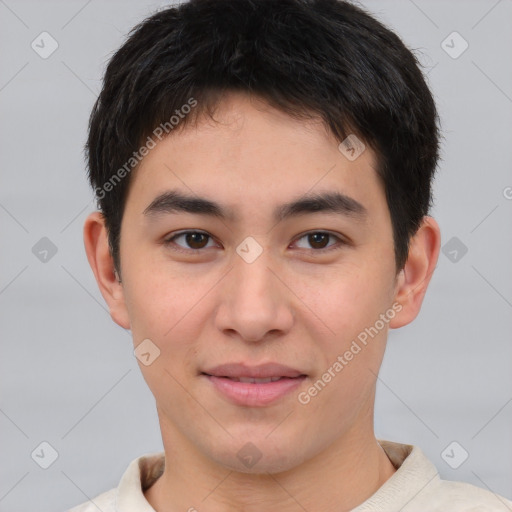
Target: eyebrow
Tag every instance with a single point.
(173, 201)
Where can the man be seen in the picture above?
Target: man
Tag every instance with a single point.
(263, 170)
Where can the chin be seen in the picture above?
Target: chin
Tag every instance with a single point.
(260, 456)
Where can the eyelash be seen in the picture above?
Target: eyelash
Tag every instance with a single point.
(169, 242)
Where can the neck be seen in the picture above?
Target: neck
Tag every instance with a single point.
(338, 479)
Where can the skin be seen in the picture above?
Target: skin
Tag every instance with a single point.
(292, 305)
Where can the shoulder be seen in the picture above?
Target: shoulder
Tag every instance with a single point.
(106, 502)
(416, 486)
(141, 473)
(447, 495)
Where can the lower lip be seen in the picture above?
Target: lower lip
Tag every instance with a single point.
(254, 394)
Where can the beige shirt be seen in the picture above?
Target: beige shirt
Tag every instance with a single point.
(414, 487)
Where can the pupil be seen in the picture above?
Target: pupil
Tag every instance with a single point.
(316, 240)
(194, 240)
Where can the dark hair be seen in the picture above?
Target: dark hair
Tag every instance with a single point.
(308, 58)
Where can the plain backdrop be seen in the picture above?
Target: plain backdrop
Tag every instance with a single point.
(68, 374)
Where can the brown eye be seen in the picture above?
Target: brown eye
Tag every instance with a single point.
(319, 241)
(188, 241)
(196, 240)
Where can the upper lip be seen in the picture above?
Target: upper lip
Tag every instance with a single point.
(263, 371)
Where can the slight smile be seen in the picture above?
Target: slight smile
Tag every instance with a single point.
(254, 386)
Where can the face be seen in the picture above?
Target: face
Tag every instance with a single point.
(274, 264)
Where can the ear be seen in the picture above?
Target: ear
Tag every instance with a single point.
(102, 264)
(414, 278)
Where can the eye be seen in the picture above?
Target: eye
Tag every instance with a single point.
(194, 240)
(319, 241)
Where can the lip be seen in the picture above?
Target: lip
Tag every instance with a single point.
(262, 371)
(225, 380)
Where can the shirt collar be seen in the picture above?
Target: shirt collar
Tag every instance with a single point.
(139, 476)
(414, 473)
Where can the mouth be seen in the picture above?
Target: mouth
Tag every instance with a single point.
(254, 386)
(251, 380)
(257, 372)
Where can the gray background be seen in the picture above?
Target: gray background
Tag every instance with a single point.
(68, 372)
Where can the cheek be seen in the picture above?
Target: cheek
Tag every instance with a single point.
(347, 301)
(161, 307)
(157, 294)
(350, 356)
(170, 309)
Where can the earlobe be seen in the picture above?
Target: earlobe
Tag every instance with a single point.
(414, 278)
(102, 265)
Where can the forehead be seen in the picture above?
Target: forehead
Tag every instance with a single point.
(253, 154)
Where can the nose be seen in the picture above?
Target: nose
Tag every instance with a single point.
(254, 302)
